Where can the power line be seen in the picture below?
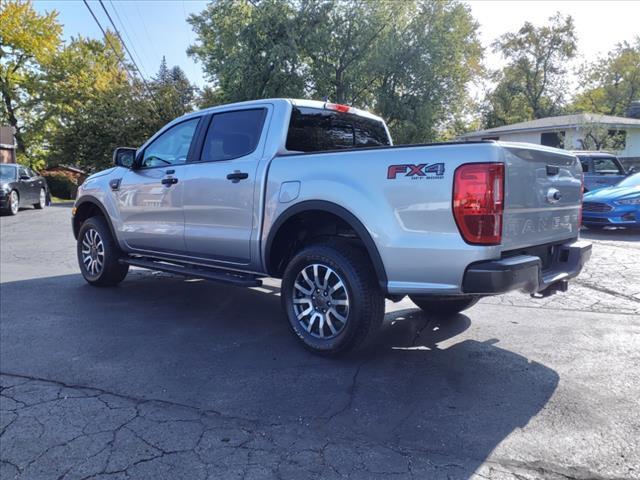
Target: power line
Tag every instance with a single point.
(107, 39)
(120, 57)
(144, 25)
(127, 49)
(123, 44)
(130, 38)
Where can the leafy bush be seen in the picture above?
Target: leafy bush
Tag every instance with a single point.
(61, 185)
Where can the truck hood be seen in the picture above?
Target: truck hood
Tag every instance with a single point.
(101, 173)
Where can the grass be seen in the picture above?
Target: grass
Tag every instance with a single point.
(60, 200)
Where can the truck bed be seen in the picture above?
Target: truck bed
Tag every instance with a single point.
(408, 210)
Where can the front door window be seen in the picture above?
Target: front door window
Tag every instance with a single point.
(172, 147)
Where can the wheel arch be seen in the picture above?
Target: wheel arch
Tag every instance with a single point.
(279, 229)
(87, 207)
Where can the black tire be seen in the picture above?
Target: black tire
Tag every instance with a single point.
(595, 227)
(43, 200)
(9, 209)
(110, 272)
(444, 305)
(364, 310)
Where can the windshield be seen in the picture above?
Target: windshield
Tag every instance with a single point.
(630, 181)
(7, 172)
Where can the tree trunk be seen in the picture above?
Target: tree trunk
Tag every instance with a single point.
(13, 121)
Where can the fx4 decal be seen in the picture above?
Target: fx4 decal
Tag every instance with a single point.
(416, 171)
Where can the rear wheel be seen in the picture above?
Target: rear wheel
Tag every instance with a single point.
(42, 200)
(444, 305)
(98, 254)
(332, 298)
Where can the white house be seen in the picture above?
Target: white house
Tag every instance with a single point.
(569, 132)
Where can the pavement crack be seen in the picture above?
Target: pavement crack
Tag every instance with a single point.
(608, 291)
(135, 400)
(351, 392)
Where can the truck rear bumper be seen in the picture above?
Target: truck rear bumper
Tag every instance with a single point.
(525, 272)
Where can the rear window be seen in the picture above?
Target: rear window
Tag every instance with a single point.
(316, 130)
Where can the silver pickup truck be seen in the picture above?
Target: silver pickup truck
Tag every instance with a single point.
(316, 194)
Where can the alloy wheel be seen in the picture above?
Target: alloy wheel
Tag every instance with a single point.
(92, 252)
(14, 202)
(321, 301)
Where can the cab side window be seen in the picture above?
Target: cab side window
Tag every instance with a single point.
(172, 147)
(605, 166)
(233, 134)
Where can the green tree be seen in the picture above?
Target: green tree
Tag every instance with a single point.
(427, 61)
(92, 104)
(339, 46)
(600, 137)
(119, 116)
(410, 60)
(250, 49)
(209, 97)
(173, 93)
(612, 82)
(28, 41)
(531, 85)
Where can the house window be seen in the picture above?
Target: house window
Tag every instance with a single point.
(552, 139)
(618, 139)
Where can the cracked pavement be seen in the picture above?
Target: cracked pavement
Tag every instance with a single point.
(180, 379)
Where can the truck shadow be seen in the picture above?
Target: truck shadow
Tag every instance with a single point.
(425, 387)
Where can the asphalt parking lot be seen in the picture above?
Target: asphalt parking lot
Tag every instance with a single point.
(163, 377)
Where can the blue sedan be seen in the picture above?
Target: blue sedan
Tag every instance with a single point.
(617, 206)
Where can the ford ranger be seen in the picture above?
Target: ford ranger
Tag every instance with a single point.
(315, 194)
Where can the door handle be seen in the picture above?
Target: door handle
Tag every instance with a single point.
(169, 181)
(236, 176)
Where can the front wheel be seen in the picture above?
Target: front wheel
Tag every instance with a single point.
(98, 254)
(13, 203)
(444, 305)
(332, 298)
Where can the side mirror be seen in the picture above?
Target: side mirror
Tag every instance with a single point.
(124, 157)
(631, 170)
(25, 177)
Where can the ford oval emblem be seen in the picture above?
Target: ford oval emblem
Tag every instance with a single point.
(553, 195)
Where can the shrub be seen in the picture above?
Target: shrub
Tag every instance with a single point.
(61, 186)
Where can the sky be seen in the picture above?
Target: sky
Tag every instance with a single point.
(154, 28)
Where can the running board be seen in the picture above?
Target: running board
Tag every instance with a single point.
(215, 275)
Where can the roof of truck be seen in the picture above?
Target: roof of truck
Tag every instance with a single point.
(298, 102)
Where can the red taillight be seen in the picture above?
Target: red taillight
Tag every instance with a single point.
(337, 107)
(478, 202)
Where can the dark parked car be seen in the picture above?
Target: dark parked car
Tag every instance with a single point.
(21, 187)
(601, 169)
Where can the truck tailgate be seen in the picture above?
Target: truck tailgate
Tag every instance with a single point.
(543, 194)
